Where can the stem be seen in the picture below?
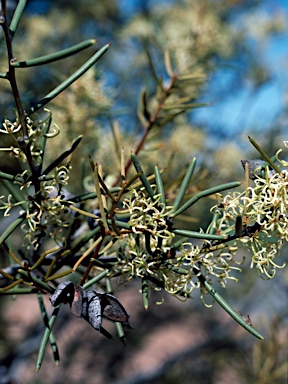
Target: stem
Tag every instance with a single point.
(21, 113)
(152, 121)
(95, 256)
(11, 72)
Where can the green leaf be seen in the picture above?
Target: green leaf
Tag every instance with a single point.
(160, 186)
(185, 106)
(43, 139)
(213, 225)
(169, 117)
(175, 269)
(63, 156)
(45, 338)
(197, 235)
(102, 209)
(194, 77)
(207, 192)
(11, 286)
(184, 184)
(7, 176)
(168, 64)
(11, 188)
(57, 275)
(52, 340)
(120, 332)
(11, 228)
(34, 279)
(19, 291)
(227, 307)
(145, 292)
(54, 56)
(17, 16)
(61, 87)
(264, 154)
(153, 70)
(142, 176)
(143, 108)
(95, 279)
(120, 224)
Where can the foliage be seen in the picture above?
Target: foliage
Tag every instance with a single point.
(123, 223)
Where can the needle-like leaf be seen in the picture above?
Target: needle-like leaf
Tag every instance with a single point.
(227, 307)
(184, 184)
(142, 176)
(17, 16)
(61, 87)
(54, 56)
(207, 192)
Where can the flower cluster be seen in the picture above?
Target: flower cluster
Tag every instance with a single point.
(52, 214)
(7, 205)
(10, 128)
(36, 130)
(47, 211)
(148, 251)
(220, 263)
(264, 212)
(150, 239)
(162, 272)
(148, 215)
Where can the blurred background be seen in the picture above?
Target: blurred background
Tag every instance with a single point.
(238, 52)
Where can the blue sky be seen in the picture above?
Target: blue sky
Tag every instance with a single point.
(243, 110)
(247, 111)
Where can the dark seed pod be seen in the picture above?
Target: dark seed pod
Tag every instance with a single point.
(90, 305)
(92, 310)
(255, 167)
(84, 311)
(64, 293)
(112, 309)
(79, 301)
